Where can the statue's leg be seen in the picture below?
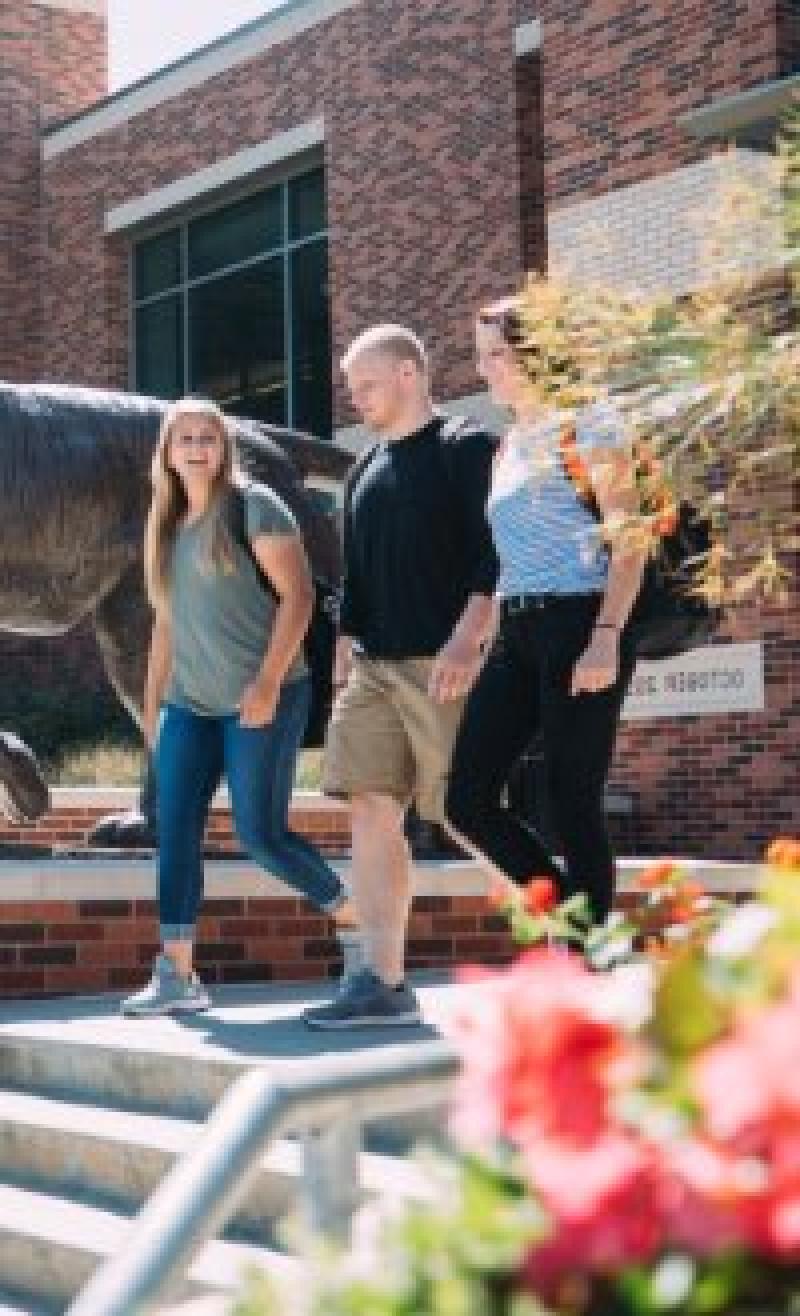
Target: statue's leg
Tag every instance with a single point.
(122, 625)
(24, 796)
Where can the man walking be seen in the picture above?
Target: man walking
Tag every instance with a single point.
(417, 608)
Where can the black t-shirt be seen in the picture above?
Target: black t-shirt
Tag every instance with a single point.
(417, 542)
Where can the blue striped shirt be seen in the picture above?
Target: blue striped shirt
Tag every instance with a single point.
(547, 540)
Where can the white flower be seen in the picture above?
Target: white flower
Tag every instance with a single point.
(742, 931)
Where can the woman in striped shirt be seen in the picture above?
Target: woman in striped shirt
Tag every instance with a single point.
(562, 658)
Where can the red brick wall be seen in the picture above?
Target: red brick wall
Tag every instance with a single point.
(51, 948)
(618, 74)
(421, 165)
(721, 787)
(423, 176)
(52, 63)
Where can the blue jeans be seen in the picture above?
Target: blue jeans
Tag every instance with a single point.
(192, 753)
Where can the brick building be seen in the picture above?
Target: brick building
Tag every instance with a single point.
(227, 224)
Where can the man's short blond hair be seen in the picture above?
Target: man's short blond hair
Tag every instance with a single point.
(392, 340)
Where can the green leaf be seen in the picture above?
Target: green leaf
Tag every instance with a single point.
(688, 1012)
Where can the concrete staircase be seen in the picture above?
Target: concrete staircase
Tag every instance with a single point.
(94, 1109)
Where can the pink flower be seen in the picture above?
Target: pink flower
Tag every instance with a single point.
(539, 1058)
(748, 1088)
(754, 1074)
(605, 1206)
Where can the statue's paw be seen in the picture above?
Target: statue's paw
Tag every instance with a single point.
(24, 795)
(123, 831)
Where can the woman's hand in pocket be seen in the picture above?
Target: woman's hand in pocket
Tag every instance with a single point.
(258, 703)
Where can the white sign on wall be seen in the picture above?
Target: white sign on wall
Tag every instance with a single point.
(722, 678)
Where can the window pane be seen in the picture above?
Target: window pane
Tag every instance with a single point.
(307, 205)
(159, 348)
(311, 339)
(236, 233)
(158, 264)
(236, 332)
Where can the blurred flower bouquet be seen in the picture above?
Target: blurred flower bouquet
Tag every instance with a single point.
(628, 1143)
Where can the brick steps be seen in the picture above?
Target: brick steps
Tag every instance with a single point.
(72, 926)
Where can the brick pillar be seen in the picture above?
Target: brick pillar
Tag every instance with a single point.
(788, 37)
(530, 147)
(53, 63)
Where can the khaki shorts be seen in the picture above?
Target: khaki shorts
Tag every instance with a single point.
(388, 737)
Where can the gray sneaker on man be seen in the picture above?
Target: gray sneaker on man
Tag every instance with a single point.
(365, 1001)
(167, 993)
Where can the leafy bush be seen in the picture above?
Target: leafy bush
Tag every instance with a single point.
(55, 721)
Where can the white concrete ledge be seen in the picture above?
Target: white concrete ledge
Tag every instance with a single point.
(243, 165)
(281, 24)
(728, 113)
(120, 798)
(528, 38)
(76, 6)
(134, 879)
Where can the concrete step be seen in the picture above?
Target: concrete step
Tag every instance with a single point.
(116, 1159)
(95, 1108)
(49, 1247)
(213, 1305)
(81, 1049)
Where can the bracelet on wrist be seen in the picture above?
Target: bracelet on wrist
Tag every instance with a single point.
(608, 626)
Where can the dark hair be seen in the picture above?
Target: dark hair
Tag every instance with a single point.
(506, 317)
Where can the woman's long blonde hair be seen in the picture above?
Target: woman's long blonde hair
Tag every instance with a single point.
(169, 504)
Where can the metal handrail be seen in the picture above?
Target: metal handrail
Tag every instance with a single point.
(202, 1190)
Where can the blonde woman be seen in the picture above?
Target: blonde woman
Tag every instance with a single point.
(227, 689)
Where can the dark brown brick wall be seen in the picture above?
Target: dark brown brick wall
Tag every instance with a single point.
(52, 63)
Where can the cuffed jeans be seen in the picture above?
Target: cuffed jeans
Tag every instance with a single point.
(192, 754)
(524, 690)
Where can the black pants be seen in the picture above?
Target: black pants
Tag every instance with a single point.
(523, 691)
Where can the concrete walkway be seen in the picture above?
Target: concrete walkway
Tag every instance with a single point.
(247, 1025)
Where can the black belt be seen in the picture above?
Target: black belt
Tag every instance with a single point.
(516, 604)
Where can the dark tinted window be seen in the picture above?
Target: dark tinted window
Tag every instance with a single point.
(237, 342)
(158, 264)
(311, 339)
(236, 233)
(307, 205)
(159, 347)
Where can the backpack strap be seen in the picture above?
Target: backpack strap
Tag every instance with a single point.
(236, 522)
(576, 469)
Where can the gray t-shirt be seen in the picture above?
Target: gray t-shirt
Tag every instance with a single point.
(222, 620)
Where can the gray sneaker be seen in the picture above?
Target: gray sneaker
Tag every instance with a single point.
(167, 993)
(364, 1001)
